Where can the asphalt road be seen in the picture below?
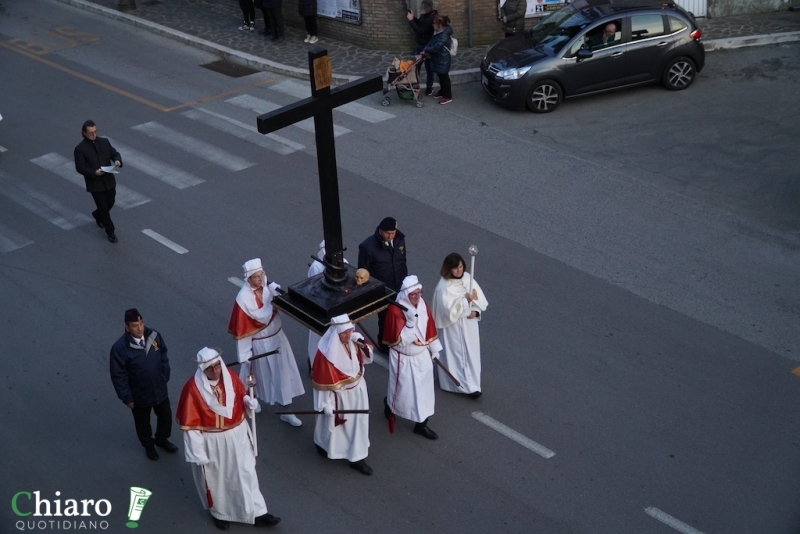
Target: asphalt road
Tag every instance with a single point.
(665, 405)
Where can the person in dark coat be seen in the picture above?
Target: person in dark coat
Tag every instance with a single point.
(259, 4)
(91, 154)
(437, 49)
(383, 254)
(423, 31)
(140, 371)
(274, 9)
(249, 14)
(512, 14)
(308, 10)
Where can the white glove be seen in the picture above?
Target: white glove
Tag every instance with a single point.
(327, 409)
(204, 462)
(411, 321)
(356, 336)
(434, 354)
(273, 288)
(251, 403)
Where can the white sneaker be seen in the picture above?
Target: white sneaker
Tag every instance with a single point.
(244, 26)
(313, 40)
(291, 419)
(252, 26)
(307, 39)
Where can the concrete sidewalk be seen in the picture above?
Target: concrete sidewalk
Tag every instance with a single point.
(211, 25)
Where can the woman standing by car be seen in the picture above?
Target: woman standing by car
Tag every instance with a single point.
(437, 49)
(512, 13)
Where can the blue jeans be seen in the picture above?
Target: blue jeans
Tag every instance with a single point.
(428, 70)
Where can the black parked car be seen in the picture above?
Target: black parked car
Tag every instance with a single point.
(591, 46)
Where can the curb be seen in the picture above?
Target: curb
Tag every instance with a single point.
(456, 76)
(751, 40)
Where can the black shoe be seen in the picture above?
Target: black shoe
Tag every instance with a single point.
(386, 410)
(97, 221)
(221, 524)
(279, 40)
(112, 238)
(322, 452)
(429, 91)
(151, 453)
(267, 520)
(362, 467)
(167, 446)
(265, 31)
(423, 430)
(474, 394)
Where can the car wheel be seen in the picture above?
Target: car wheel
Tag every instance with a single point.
(544, 97)
(679, 74)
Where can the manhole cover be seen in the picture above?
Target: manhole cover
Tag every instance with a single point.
(229, 69)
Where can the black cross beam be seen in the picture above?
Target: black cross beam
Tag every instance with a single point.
(314, 301)
(320, 106)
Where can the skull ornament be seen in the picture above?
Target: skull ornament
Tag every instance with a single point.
(362, 277)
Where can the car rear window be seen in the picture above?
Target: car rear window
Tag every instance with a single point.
(646, 26)
(675, 24)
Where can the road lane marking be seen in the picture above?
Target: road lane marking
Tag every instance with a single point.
(263, 106)
(164, 241)
(668, 520)
(246, 132)
(155, 168)
(512, 434)
(354, 109)
(41, 204)
(65, 168)
(11, 240)
(796, 371)
(3, 149)
(238, 282)
(196, 147)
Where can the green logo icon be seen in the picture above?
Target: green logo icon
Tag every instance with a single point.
(139, 498)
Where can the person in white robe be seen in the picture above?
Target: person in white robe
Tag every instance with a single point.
(338, 381)
(256, 325)
(414, 344)
(316, 267)
(457, 312)
(218, 443)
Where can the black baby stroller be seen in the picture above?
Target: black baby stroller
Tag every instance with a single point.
(406, 81)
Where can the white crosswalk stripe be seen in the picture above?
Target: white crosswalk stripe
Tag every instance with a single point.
(11, 240)
(354, 109)
(3, 149)
(41, 204)
(264, 106)
(247, 132)
(160, 170)
(61, 166)
(201, 149)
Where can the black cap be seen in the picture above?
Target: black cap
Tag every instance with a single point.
(388, 224)
(132, 316)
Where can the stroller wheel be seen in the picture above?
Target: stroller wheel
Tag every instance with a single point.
(386, 101)
(420, 103)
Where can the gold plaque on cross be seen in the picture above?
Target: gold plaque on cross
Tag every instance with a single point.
(322, 72)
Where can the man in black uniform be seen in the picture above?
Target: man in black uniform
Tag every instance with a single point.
(383, 254)
(91, 154)
(140, 372)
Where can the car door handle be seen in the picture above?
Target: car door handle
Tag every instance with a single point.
(662, 43)
(616, 54)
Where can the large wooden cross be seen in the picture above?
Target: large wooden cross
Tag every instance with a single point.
(320, 106)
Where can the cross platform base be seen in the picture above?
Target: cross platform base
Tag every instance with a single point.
(313, 304)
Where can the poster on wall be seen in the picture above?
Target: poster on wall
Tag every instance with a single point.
(345, 10)
(538, 8)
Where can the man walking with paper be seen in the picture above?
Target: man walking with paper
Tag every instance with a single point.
(97, 160)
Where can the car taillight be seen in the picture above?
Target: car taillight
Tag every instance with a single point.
(697, 35)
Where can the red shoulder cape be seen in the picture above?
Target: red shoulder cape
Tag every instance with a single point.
(396, 321)
(194, 414)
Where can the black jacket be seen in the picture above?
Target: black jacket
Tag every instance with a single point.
(387, 264)
(139, 377)
(423, 27)
(308, 8)
(90, 156)
(440, 56)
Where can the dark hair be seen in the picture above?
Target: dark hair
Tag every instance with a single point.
(452, 261)
(427, 4)
(87, 124)
(442, 20)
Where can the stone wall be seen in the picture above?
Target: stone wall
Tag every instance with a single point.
(384, 25)
(723, 8)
